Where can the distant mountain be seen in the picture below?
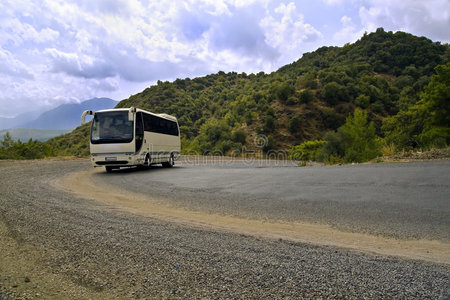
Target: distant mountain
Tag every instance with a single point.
(6, 123)
(68, 116)
(25, 135)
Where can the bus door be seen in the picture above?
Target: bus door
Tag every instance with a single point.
(139, 131)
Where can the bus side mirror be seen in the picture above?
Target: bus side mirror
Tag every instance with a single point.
(83, 116)
(131, 113)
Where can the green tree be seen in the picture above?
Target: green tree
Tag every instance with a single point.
(355, 141)
(333, 93)
(427, 123)
(361, 141)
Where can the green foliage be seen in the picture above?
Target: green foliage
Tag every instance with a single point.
(427, 123)
(306, 96)
(330, 118)
(270, 145)
(362, 101)
(334, 148)
(307, 151)
(239, 136)
(355, 141)
(295, 124)
(333, 93)
(269, 124)
(215, 137)
(75, 143)
(307, 81)
(10, 149)
(360, 139)
(284, 91)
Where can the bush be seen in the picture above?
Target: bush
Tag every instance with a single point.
(295, 123)
(333, 93)
(239, 136)
(306, 96)
(307, 151)
(269, 124)
(283, 91)
(270, 145)
(362, 101)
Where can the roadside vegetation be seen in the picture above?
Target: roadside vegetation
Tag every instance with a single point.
(386, 93)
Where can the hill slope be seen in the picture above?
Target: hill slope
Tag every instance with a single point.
(382, 73)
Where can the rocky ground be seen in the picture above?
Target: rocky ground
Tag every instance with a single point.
(54, 244)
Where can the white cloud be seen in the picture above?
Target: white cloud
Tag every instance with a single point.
(287, 31)
(13, 67)
(348, 33)
(333, 2)
(428, 18)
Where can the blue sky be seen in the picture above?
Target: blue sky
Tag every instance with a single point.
(54, 52)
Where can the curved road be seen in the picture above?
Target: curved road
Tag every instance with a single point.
(229, 229)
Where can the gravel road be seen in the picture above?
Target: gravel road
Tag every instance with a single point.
(403, 200)
(55, 244)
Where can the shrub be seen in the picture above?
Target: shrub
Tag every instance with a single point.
(362, 101)
(306, 96)
(295, 123)
(239, 136)
(307, 150)
(269, 124)
(270, 145)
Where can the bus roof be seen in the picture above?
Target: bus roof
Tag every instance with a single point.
(164, 116)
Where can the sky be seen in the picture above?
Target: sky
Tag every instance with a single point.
(54, 52)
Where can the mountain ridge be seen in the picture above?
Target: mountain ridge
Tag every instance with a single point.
(67, 116)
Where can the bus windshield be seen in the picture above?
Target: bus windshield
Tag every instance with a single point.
(111, 127)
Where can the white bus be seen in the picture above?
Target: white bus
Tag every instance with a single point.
(126, 137)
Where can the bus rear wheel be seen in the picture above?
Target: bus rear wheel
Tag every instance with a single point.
(170, 163)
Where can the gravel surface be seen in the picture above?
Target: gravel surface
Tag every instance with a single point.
(103, 252)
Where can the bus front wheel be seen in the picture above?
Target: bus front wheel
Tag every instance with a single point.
(147, 162)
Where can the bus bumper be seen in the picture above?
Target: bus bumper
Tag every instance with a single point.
(116, 160)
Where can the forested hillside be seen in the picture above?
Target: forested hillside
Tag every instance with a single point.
(382, 74)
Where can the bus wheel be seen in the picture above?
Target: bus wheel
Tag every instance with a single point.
(170, 163)
(147, 162)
